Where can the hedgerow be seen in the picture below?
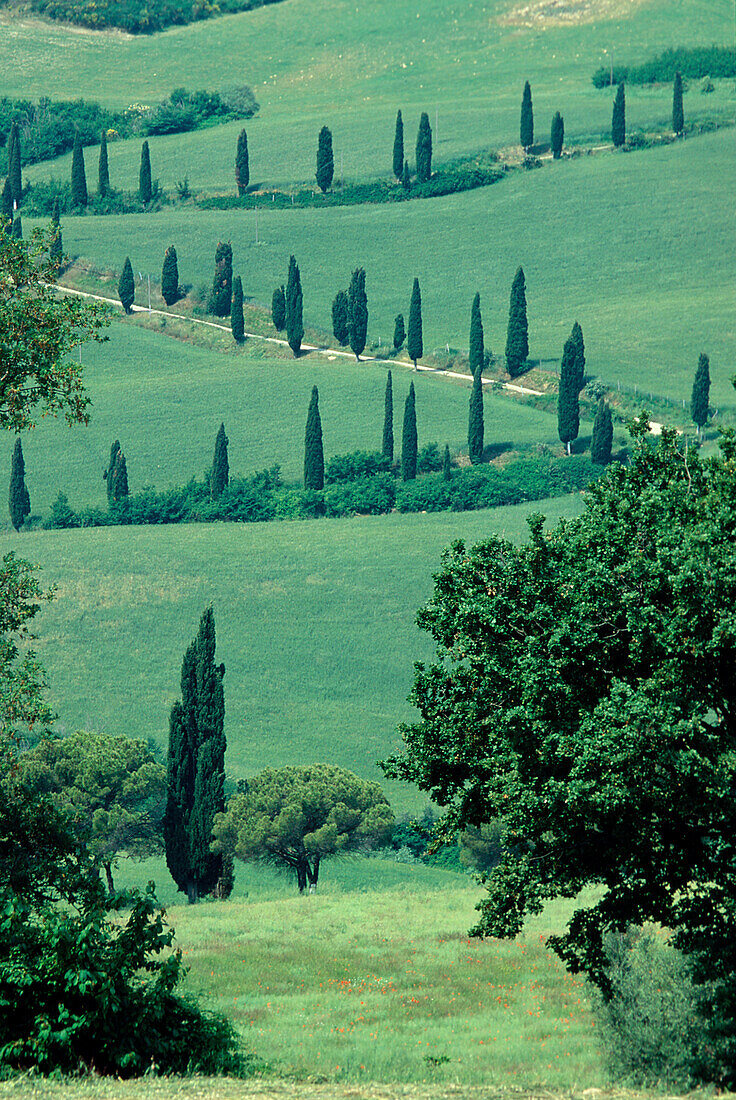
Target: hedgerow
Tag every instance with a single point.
(138, 16)
(692, 62)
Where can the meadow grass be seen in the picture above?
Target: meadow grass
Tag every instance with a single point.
(315, 625)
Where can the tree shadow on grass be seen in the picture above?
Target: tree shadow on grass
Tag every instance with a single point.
(493, 450)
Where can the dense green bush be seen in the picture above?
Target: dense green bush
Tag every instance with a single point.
(369, 496)
(429, 459)
(693, 62)
(357, 464)
(138, 16)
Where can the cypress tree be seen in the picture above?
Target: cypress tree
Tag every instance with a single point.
(170, 276)
(414, 344)
(557, 135)
(222, 282)
(701, 393)
(399, 332)
(126, 285)
(237, 321)
(278, 309)
(387, 444)
(120, 478)
(220, 473)
(19, 501)
(242, 164)
(56, 247)
(325, 160)
(358, 312)
(14, 169)
(398, 164)
(7, 203)
(294, 314)
(602, 440)
(678, 111)
(618, 120)
(145, 183)
(108, 474)
(314, 459)
(79, 176)
(424, 149)
(577, 337)
(409, 437)
(406, 176)
(568, 405)
(103, 171)
(517, 334)
(341, 318)
(17, 228)
(475, 358)
(447, 464)
(476, 354)
(196, 767)
(526, 124)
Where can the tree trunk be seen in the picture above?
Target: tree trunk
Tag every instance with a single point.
(313, 875)
(301, 877)
(192, 892)
(108, 875)
(568, 446)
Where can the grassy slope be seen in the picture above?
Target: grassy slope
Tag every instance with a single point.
(315, 626)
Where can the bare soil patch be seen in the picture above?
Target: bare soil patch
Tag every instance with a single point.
(567, 13)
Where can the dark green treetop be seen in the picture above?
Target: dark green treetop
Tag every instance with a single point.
(103, 169)
(517, 334)
(242, 164)
(120, 488)
(701, 393)
(220, 473)
(278, 308)
(678, 111)
(424, 149)
(399, 332)
(341, 317)
(19, 500)
(557, 135)
(126, 285)
(398, 162)
(577, 337)
(107, 475)
(358, 312)
(145, 183)
(170, 277)
(447, 464)
(618, 120)
(409, 437)
(602, 439)
(314, 459)
(325, 160)
(294, 308)
(221, 295)
(568, 404)
(526, 124)
(414, 344)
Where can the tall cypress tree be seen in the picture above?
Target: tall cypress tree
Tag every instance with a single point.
(14, 168)
(341, 318)
(557, 135)
(409, 437)
(196, 767)
(618, 120)
(398, 164)
(170, 276)
(406, 177)
(577, 337)
(56, 247)
(126, 285)
(517, 334)
(242, 164)
(399, 332)
(17, 227)
(568, 405)
(109, 472)
(476, 353)
(358, 312)
(120, 478)
(387, 443)
(294, 304)
(278, 309)
(701, 393)
(475, 359)
(237, 320)
(414, 344)
(7, 204)
(222, 282)
(325, 160)
(424, 149)
(79, 176)
(19, 501)
(602, 439)
(678, 111)
(145, 183)
(526, 123)
(103, 170)
(314, 459)
(220, 473)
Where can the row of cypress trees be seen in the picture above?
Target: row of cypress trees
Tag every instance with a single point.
(80, 193)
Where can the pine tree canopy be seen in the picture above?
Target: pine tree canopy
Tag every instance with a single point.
(398, 161)
(325, 160)
(314, 460)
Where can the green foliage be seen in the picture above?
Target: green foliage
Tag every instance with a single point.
(476, 360)
(406, 178)
(7, 201)
(568, 404)
(79, 176)
(358, 312)
(109, 474)
(701, 393)
(476, 348)
(314, 461)
(618, 119)
(602, 438)
(196, 767)
(325, 160)
(429, 459)
(341, 318)
(296, 817)
(387, 440)
(557, 135)
(126, 286)
(692, 62)
(481, 846)
(170, 277)
(56, 245)
(354, 466)
(237, 320)
(398, 158)
(526, 123)
(220, 299)
(17, 228)
(399, 332)
(242, 163)
(447, 464)
(678, 113)
(424, 149)
(278, 309)
(62, 515)
(14, 163)
(611, 715)
(294, 308)
(103, 169)
(414, 344)
(220, 473)
(19, 500)
(576, 336)
(137, 16)
(409, 435)
(517, 333)
(119, 489)
(145, 183)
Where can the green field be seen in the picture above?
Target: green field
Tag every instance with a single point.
(315, 625)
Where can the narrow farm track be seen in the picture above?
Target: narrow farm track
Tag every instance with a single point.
(330, 353)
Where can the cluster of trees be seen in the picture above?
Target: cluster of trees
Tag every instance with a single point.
(147, 188)
(526, 125)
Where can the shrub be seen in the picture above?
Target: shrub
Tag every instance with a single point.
(429, 459)
(370, 496)
(351, 467)
(138, 16)
(694, 63)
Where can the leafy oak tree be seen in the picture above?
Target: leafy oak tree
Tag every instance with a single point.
(299, 816)
(584, 697)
